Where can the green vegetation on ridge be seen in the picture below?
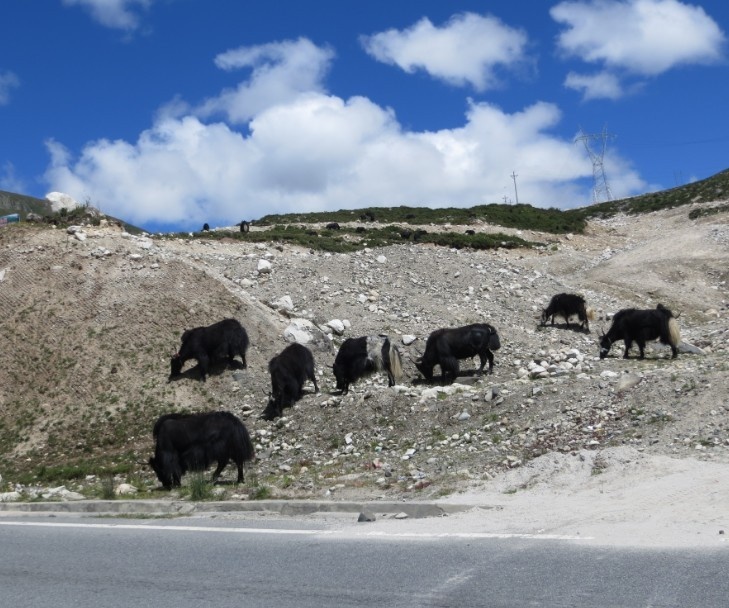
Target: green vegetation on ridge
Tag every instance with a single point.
(520, 217)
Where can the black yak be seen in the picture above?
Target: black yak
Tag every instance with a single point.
(192, 442)
(206, 227)
(222, 340)
(358, 357)
(332, 226)
(289, 370)
(641, 326)
(565, 305)
(245, 226)
(445, 347)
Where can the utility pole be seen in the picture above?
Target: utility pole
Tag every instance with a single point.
(599, 179)
(516, 194)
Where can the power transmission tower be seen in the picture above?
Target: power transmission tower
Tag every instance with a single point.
(516, 193)
(600, 184)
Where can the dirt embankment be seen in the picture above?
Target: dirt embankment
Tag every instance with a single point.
(89, 325)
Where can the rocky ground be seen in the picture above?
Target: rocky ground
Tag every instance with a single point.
(91, 321)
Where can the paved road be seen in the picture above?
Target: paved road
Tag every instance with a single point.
(244, 561)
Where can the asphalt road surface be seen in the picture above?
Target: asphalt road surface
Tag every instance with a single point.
(178, 563)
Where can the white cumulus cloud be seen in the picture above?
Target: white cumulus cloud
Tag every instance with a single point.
(116, 14)
(603, 85)
(279, 72)
(468, 49)
(310, 150)
(642, 37)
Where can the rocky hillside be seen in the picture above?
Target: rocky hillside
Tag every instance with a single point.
(89, 321)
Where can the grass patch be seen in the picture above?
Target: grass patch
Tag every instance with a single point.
(706, 211)
(348, 240)
(199, 487)
(260, 492)
(71, 472)
(107, 487)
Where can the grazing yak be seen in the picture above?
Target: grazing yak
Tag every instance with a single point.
(222, 340)
(358, 357)
(192, 442)
(332, 226)
(565, 305)
(289, 370)
(640, 326)
(445, 347)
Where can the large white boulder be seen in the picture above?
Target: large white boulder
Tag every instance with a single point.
(59, 201)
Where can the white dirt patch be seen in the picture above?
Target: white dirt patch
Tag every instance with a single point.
(635, 500)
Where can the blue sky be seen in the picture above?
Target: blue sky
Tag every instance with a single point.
(172, 113)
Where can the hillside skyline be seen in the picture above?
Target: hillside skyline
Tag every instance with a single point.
(177, 113)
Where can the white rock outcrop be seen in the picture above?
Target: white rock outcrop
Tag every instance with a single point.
(59, 200)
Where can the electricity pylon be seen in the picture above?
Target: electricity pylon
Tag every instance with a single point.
(600, 184)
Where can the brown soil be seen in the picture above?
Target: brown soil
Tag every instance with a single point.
(88, 327)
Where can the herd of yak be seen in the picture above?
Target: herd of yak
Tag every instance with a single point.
(193, 442)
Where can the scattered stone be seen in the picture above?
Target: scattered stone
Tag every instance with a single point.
(125, 489)
(628, 381)
(366, 516)
(264, 267)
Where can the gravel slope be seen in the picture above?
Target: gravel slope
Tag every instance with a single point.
(89, 326)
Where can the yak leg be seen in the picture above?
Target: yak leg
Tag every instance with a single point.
(641, 347)
(219, 469)
(487, 356)
(202, 363)
(390, 378)
(449, 365)
(240, 471)
(628, 344)
(674, 352)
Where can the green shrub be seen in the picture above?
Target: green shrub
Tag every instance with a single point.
(199, 487)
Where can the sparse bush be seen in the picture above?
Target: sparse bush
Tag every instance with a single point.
(199, 487)
(260, 492)
(107, 487)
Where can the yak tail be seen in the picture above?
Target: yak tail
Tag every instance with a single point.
(590, 313)
(244, 441)
(395, 362)
(674, 333)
